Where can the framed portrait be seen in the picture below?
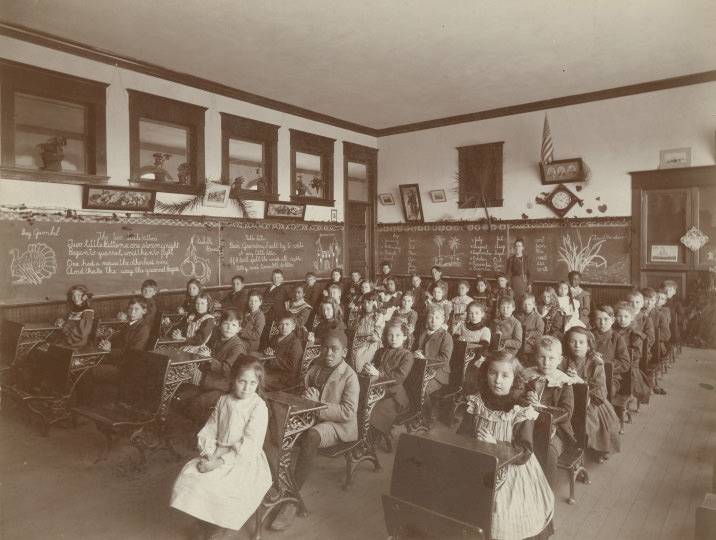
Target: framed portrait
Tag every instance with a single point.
(562, 170)
(412, 205)
(675, 158)
(118, 198)
(386, 199)
(437, 195)
(276, 210)
(334, 214)
(217, 195)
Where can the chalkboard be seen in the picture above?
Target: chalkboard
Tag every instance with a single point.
(599, 249)
(46, 253)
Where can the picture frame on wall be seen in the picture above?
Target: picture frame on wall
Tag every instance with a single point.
(217, 195)
(281, 210)
(386, 199)
(561, 171)
(118, 198)
(438, 195)
(412, 205)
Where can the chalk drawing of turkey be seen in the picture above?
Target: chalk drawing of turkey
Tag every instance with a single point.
(34, 265)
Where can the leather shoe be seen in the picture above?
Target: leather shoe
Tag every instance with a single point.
(284, 518)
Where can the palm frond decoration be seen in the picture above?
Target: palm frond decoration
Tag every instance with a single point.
(195, 201)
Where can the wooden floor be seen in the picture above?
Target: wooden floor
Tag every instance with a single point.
(51, 489)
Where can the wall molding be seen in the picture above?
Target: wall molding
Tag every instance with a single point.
(79, 49)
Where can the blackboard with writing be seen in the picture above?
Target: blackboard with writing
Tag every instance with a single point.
(599, 249)
(47, 253)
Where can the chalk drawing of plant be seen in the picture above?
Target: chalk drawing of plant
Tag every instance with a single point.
(454, 243)
(439, 240)
(195, 266)
(580, 257)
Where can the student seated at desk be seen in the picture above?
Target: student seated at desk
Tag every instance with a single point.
(435, 344)
(224, 486)
(391, 362)
(370, 326)
(611, 345)
(330, 317)
(276, 293)
(336, 279)
(406, 315)
(193, 289)
(507, 326)
(548, 386)
(76, 333)
(353, 290)
(149, 289)
(624, 314)
(532, 326)
(299, 308)
(254, 322)
(390, 298)
(238, 297)
(582, 296)
(196, 329)
(124, 348)
(524, 502)
(286, 351)
(314, 293)
(333, 382)
(582, 360)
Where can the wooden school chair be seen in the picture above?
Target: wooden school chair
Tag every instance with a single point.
(572, 459)
(448, 398)
(372, 390)
(413, 418)
(289, 416)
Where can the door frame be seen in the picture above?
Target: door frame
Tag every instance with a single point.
(357, 153)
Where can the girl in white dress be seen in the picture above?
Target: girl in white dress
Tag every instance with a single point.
(224, 485)
(524, 502)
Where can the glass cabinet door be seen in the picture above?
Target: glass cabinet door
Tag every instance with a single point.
(666, 216)
(705, 201)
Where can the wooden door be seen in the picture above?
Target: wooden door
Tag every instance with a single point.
(360, 166)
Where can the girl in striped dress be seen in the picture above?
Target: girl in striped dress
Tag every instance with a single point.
(524, 502)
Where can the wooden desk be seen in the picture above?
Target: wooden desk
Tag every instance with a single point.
(291, 416)
(183, 368)
(503, 451)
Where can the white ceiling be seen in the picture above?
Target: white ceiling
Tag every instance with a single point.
(383, 63)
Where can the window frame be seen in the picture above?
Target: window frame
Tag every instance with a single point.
(43, 83)
(317, 145)
(178, 113)
(257, 132)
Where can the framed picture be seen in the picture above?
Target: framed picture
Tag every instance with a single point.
(674, 158)
(412, 205)
(668, 253)
(118, 198)
(562, 170)
(334, 214)
(284, 210)
(216, 195)
(386, 199)
(437, 195)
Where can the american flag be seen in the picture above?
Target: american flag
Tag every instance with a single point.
(547, 149)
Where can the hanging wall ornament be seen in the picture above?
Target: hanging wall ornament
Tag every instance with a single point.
(694, 239)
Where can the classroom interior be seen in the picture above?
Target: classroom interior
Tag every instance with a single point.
(407, 132)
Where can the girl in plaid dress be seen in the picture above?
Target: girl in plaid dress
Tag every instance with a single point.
(524, 502)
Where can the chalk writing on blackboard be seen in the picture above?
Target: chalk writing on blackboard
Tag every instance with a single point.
(37, 263)
(412, 255)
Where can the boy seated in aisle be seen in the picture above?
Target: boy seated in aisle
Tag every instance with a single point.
(238, 297)
(286, 351)
(676, 308)
(254, 322)
(507, 327)
(333, 382)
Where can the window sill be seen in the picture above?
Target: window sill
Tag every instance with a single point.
(167, 187)
(315, 201)
(252, 195)
(56, 177)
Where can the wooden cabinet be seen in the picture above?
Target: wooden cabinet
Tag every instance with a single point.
(666, 204)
